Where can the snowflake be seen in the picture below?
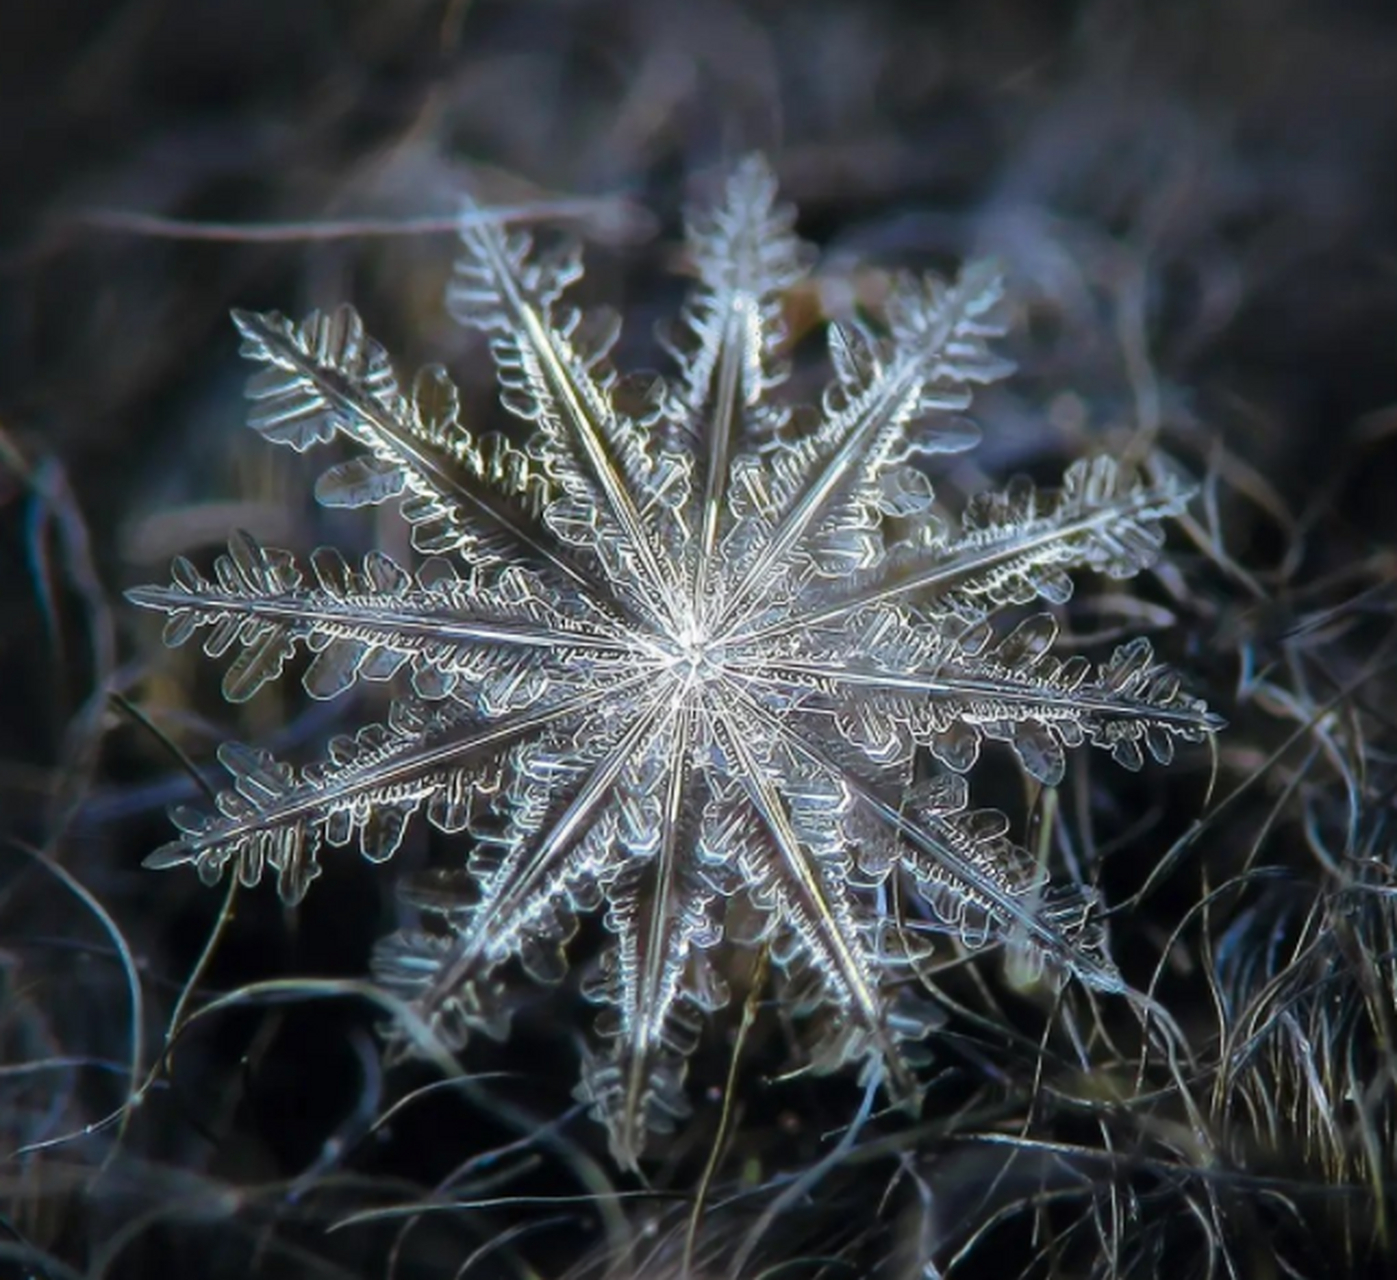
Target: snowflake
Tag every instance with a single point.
(674, 660)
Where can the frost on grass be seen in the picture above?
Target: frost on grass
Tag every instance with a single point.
(671, 658)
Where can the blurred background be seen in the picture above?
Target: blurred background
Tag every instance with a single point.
(1196, 208)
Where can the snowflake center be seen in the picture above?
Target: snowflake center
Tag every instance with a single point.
(693, 655)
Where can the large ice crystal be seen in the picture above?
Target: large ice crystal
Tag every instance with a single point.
(672, 658)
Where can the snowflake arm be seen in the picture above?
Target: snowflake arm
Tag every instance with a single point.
(745, 256)
(1015, 546)
(480, 498)
(978, 881)
(963, 690)
(553, 374)
(815, 504)
(557, 844)
(654, 980)
(373, 622)
(817, 908)
(371, 783)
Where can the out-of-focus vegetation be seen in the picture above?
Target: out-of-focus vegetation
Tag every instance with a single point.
(1196, 207)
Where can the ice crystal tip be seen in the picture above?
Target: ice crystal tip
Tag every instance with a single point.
(651, 662)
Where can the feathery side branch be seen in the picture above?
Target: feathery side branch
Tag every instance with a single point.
(746, 256)
(493, 929)
(563, 399)
(654, 979)
(371, 622)
(1101, 519)
(271, 817)
(808, 908)
(936, 352)
(1019, 692)
(326, 375)
(887, 404)
(946, 849)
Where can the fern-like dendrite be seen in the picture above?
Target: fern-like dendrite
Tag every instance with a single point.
(676, 664)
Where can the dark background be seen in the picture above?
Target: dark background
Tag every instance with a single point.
(1196, 207)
